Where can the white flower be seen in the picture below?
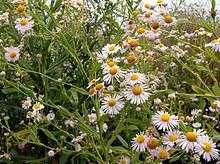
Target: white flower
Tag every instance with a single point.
(26, 104)
(105, 127)
(50, 116)
(101, 57)
(195, 112)
(172, 96)
(77, 146)
(138, 109)
(2, 73)
(171, 138)
(151, 35)
(215, 44)
(151, 144)
(69, 123)
(51, 153)
(38, 106)
(4, 18)
(196, 125)
(111, 73)
(12, 54)
(137, 94)
(139, 142)
(164, 121)
(134, 78)
(110, 49)
(163, 153)
(157, 101)
(189, 140)
(207, 149)
(92, 118)
(24, 24)
(112, 104)
(169, 20)
(124, 160)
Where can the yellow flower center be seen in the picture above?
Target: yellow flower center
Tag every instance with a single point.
(163, 154)
(207, 147)
(123, 161)
(140, 30)
(133, 42)
(99, 86)
(111, 102)
(91, 91)
(21, 8)
(134, 77)
(13, 54)
(23, 21)
(136, 13)
(110, 63)
(147, 5)
(137, 90)
(165, 117)
(216, 41)
(148, 14)
(173, 137)
(152, 143)
(168, 19)
(37, 106)
(111, 47)
(140, 139)
(113, 70)
(155, 25)
(131, 58)
(160, 1)
(191, 136)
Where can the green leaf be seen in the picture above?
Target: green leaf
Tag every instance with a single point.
(9, 90)
(199, 90)
(216, 90)
(48, 134)
(124, 143)
(64, 156)
(132, 128)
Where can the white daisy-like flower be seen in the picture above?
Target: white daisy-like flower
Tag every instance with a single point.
(171, 138)
(92, 82)
(38, 106)
(110, 49)
(124, 160)
(12, 54)
(24, 24)
(140, 32)
(129, 26)
(161, 47)
(99, 87)
(145, 5)
(112, 104)
(111, 73)
(151, 144)
(163, 153)
(139, 142)
(214, 44)
(110, 62)
(164, 121)
(137, 94)
(169, 20)
(134, 78)
(151, 35)
(101, 57)
(189, 140)
(207, 148)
